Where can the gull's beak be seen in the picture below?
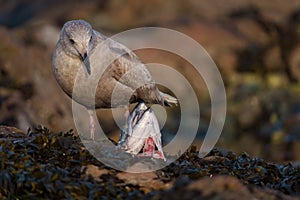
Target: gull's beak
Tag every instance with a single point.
(85, 59)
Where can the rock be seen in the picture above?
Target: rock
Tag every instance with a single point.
(221, 187)
(11, 132)
(95, 171)
(26, 99)
(294, 61)
(272, 59)
(146, 181)
(212, 187)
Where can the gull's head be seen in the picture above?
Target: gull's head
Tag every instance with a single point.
(77, 40)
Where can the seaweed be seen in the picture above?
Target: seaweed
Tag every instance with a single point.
(44, 164)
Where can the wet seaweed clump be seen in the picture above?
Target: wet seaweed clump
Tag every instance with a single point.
(250, 171)
(43, 164)
(48, 165)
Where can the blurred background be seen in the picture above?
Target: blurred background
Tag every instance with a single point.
(255, 44)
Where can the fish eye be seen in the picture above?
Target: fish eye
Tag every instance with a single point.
(72, 41)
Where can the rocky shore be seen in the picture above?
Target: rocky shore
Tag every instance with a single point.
(43, 164)
(256, 47)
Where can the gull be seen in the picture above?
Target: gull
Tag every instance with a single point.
(77, 41)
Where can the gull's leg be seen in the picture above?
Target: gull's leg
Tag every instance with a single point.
(92, 124)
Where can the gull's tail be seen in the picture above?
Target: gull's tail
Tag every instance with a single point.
(168, 99)
(151, 94)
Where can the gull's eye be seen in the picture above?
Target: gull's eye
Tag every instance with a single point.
(72, 41)
(91, 38)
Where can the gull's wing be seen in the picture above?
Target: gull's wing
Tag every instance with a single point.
(129, 71)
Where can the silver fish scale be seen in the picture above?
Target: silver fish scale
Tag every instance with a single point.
(142, 124)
